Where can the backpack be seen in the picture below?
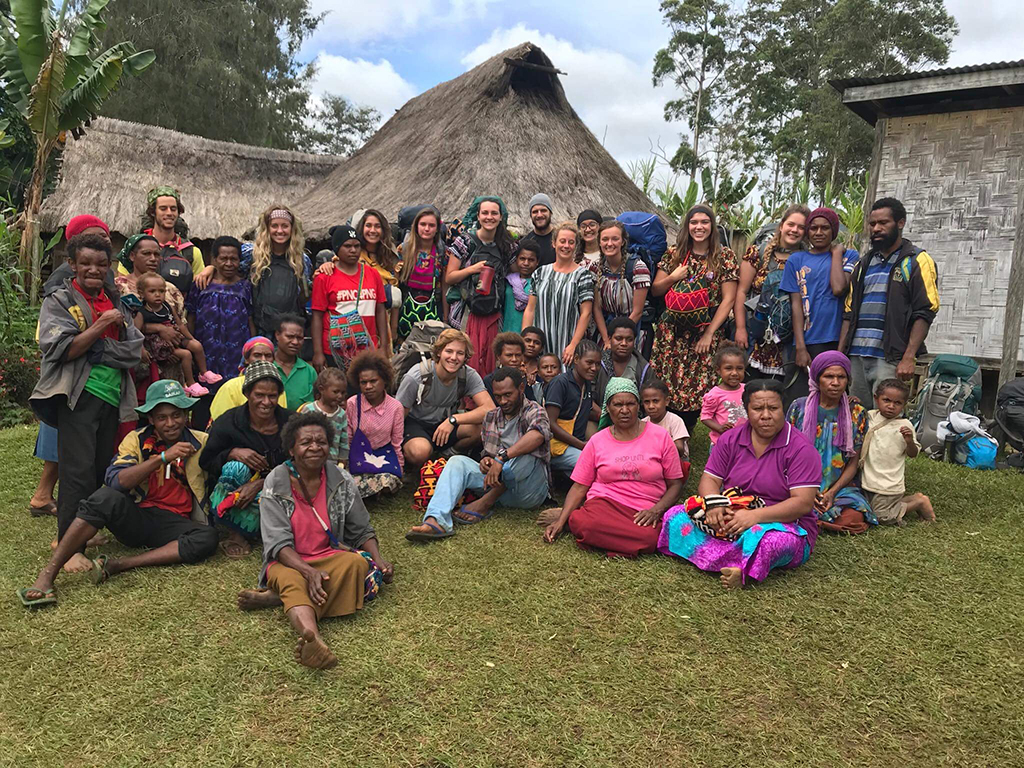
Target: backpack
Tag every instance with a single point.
(494, 300)
(646, 232)
(427, 381)
(176, 268)
(418, 346)
(276, 294)
(1010, 412)
(771, 317)
(975, 452)
(953, 384)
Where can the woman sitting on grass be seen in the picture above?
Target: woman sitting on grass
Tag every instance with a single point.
(755, 508)
(624, 480)
(376, 426)
(837, 428)
(318, 545)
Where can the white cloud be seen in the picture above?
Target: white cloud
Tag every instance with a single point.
(382, 21)
(612, 93)
(366, 83)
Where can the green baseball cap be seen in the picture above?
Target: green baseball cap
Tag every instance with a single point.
(166, 391)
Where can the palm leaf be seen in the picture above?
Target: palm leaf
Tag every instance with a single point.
(83, 101)
(33, 21)
(47, 93)
(89, 23)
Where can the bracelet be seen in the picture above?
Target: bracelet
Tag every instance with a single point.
(163, 457)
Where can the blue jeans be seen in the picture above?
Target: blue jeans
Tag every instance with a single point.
(566, 461)
(526, 485)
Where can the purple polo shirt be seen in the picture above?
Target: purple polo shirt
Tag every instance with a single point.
(790, 461)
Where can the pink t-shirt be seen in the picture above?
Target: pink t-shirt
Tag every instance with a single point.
(631, 473)
(311, 540)
(723, 405)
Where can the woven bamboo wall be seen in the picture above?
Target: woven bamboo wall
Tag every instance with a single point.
(958, 175)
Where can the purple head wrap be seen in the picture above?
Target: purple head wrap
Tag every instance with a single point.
(843, 438)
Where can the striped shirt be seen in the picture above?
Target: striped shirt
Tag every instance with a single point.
(867, 339)
(559, 296)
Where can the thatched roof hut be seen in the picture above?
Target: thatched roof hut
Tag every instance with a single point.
(224, 186)
(505, 127)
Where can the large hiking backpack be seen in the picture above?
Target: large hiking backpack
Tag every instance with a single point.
(771, 316)
(418, 346)
(1010, 412)
(494, 300)
(176, 266)
(646, 231)
(953, 384)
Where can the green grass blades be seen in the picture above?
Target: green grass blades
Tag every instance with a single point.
(901, 647)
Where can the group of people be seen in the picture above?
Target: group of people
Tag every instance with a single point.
(563, 353)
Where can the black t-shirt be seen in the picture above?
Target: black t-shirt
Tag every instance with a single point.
(564, 393)
(544, 246)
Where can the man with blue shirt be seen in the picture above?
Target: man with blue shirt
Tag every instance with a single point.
(816, 280)
(892, 301)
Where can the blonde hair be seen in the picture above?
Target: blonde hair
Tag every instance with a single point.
(411, 247)
(448, 336)
(148, 277)
(776, 238)
(261, 250)
(566, 226)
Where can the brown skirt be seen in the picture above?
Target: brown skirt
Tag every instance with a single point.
(344, 589)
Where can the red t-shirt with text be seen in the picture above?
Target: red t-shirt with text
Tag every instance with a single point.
(335, 294)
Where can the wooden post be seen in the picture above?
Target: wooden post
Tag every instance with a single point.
(874, 171)
(1014, 298)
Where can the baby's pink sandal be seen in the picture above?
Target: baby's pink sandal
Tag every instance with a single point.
(210, 377)
(196, 390)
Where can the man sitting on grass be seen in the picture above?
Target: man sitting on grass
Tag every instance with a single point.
(153, 498)
(514, 471)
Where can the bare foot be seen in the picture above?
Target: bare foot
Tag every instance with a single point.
(313, 652)
(923, 505)
(257, 599)
(96, 541)
(78, 563)
(548, 516)
(731, 578)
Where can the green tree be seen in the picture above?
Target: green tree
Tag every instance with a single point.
(58, 78)
(339, 127)
(695, 60)
(793, 120)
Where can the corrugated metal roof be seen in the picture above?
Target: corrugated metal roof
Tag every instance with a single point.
(850, 82)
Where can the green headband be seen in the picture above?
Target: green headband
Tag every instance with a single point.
(162, 191)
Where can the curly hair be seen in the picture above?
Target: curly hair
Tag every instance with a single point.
(371, 360)
(261, 250)
(448, 336)
(307, 419)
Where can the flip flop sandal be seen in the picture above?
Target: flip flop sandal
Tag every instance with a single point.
(49, 597)
(478, 518)
(43, 511)
(233, 550)
(420, 536)
(99, 572)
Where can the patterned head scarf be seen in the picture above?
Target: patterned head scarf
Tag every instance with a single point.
(125, 254)
(255, 341)
(259, 371)
(469, 220)
(616, 386)
(843, 438)
(164, 191)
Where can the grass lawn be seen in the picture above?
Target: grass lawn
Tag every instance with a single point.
(898, 648)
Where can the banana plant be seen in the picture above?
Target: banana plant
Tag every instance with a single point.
(850, 209)
(55, 74)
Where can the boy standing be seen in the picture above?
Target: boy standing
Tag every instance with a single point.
(88, 344)
(889, 440)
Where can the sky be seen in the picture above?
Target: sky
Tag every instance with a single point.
(381, 53)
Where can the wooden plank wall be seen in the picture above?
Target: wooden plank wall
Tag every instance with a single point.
(958, 175)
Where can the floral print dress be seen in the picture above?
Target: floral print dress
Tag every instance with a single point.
(690, 375)
(766, 356)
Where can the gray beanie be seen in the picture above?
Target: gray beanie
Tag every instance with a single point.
(540, 199)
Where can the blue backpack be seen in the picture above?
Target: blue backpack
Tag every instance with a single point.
(646, 231)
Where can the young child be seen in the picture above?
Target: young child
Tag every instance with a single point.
(887, 443)
(331, 391)
(534, 340)
(548, 367)
(654, 397)
(155, 312)
(521, 282)
(722, 408)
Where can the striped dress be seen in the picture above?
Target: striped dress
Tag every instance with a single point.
(559, 296)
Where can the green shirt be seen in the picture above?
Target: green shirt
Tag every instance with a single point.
(104, 382)
(298, 385)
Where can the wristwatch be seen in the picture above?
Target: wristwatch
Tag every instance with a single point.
(502, 456)
(452, 421)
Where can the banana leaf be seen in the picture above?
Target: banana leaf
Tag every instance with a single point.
(45, 106)
(89, 24)
(83, 101)
(33, 21)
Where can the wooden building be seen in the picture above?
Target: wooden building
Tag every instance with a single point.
(949, 144)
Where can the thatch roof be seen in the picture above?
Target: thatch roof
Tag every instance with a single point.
(224, 186)
(505, 127)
